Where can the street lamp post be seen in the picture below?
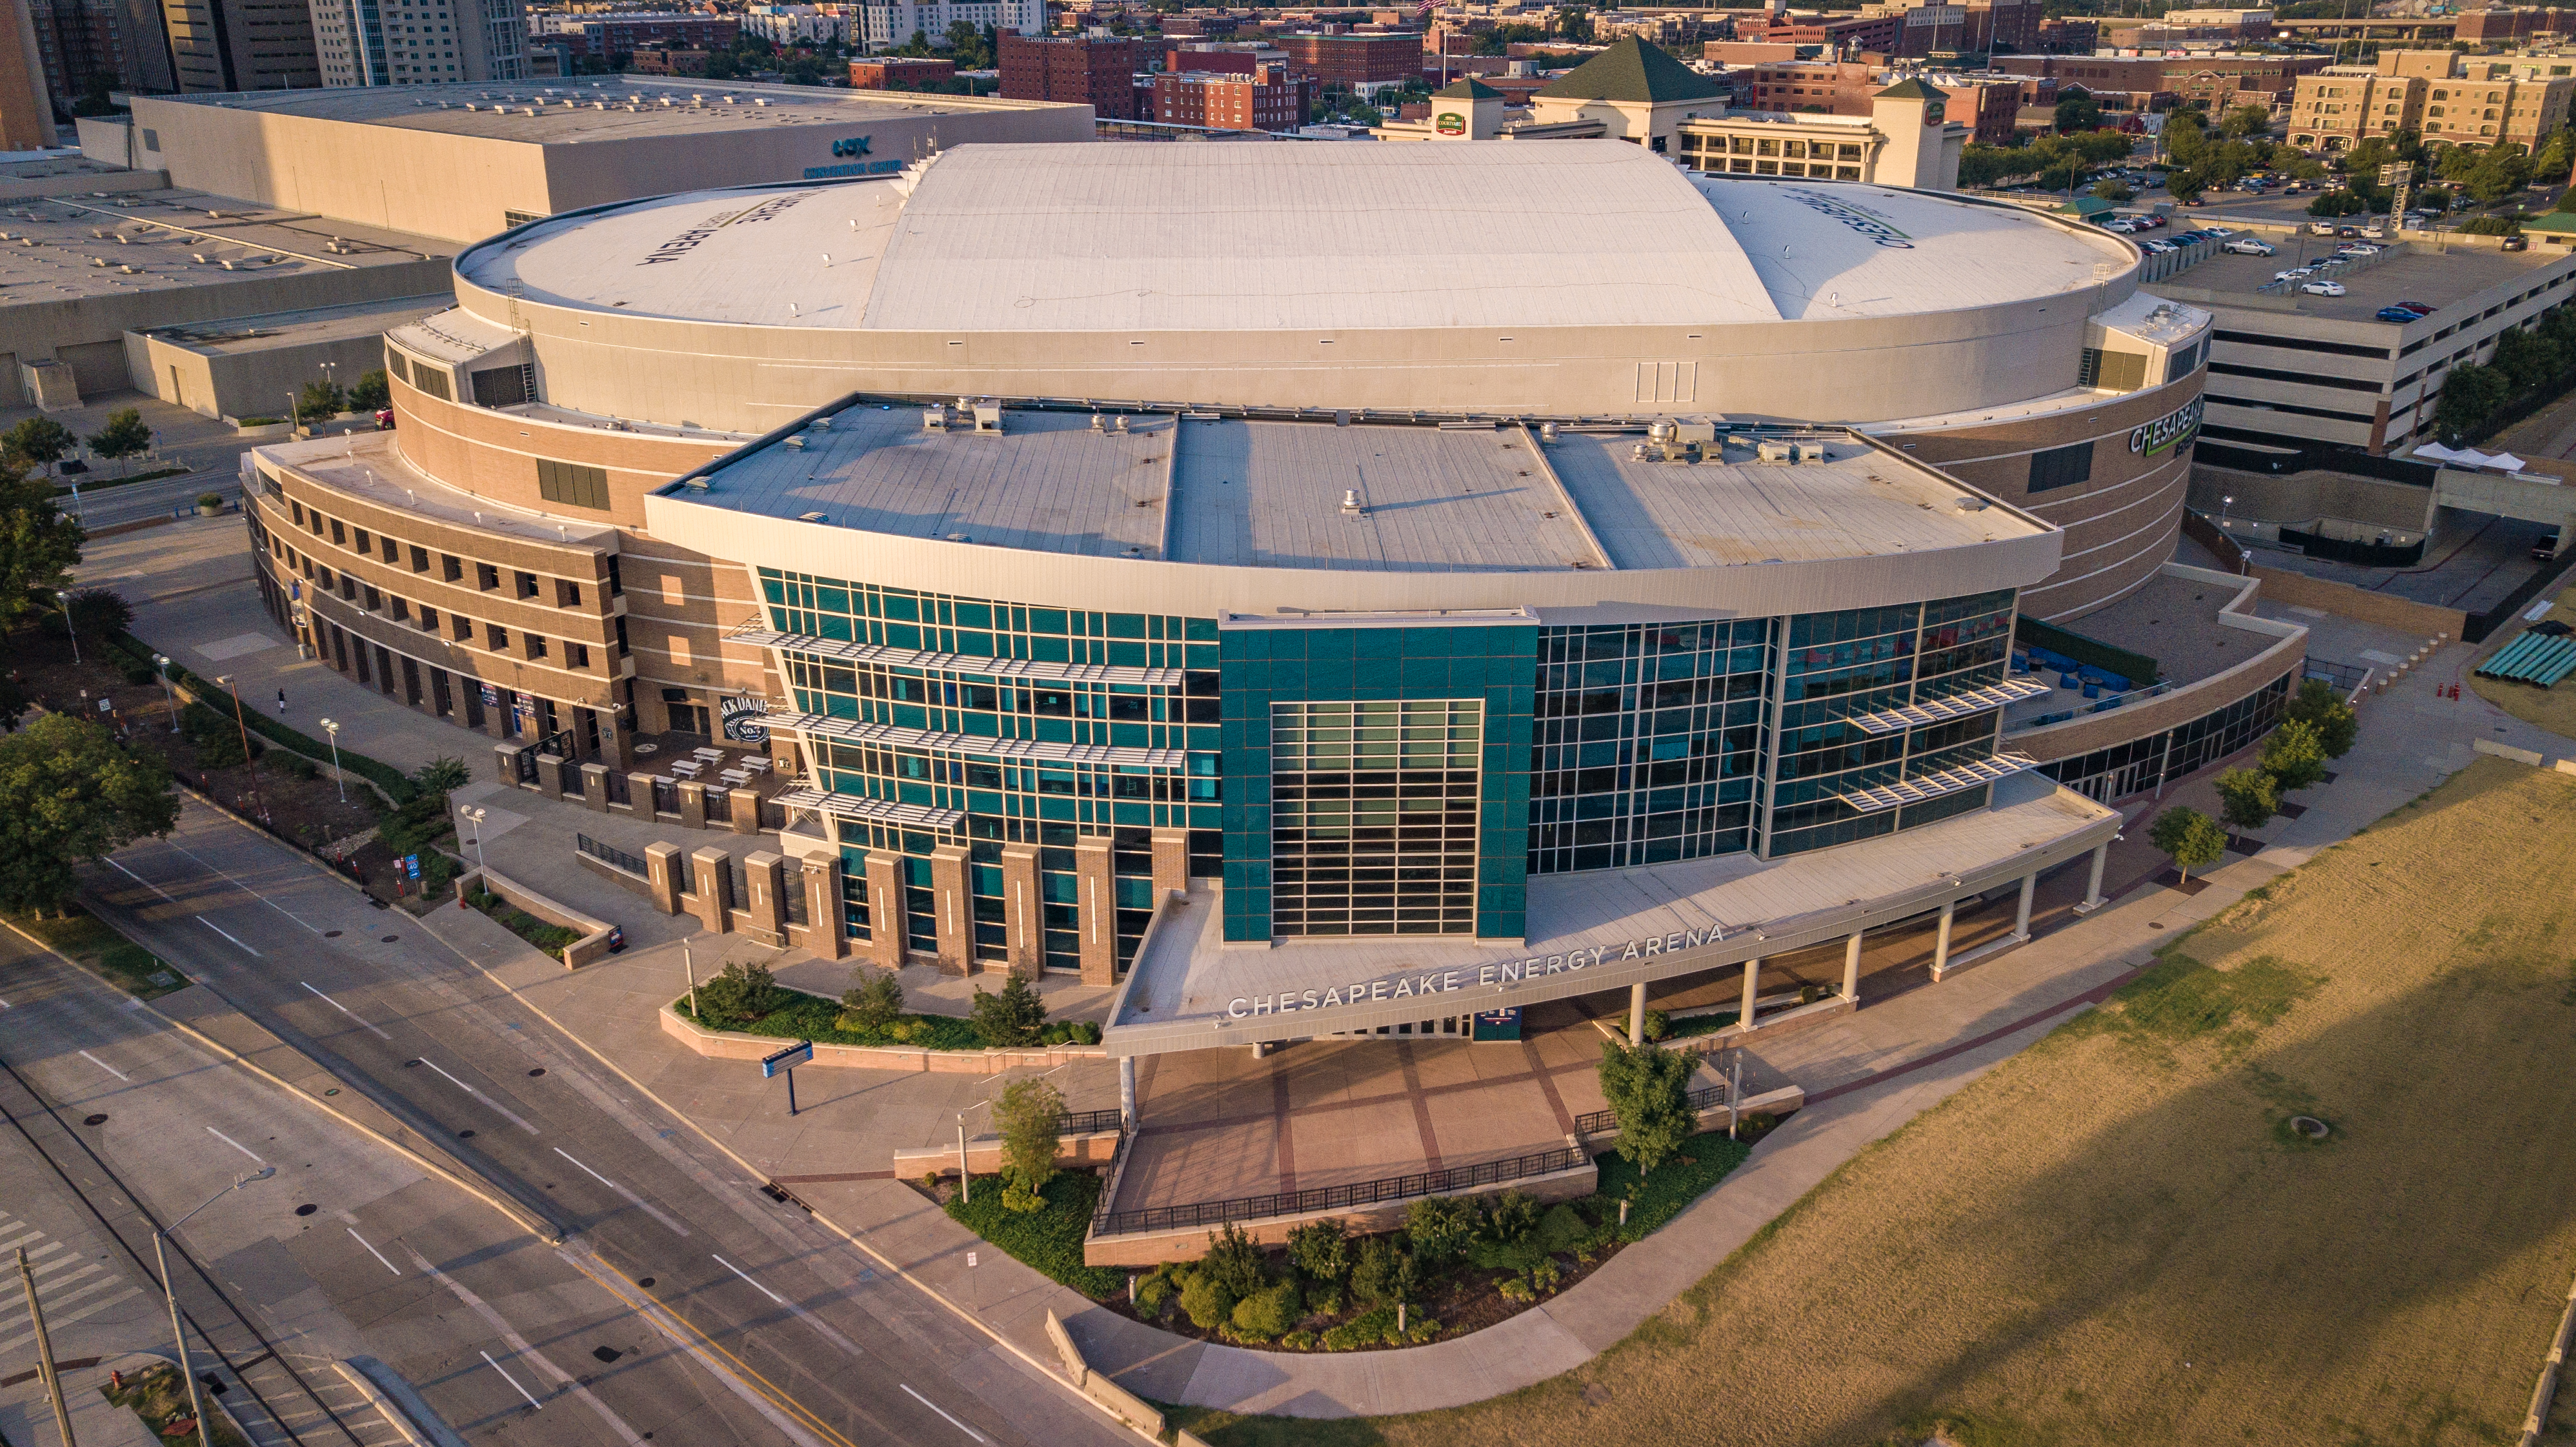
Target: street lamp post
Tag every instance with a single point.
(332, 727)
(71, 631)
(247, 765)
(187, 1373)
(476, 815)
(161, 667)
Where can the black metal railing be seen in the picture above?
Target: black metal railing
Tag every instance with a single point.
(610, 855)
(1707, 1097)
(1334, 1198)
(618, 791)
(719, 806)
(1084, 1122)
(666, 798)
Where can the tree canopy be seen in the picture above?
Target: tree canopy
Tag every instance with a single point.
(71, 793)
(1648, 1089)
(38, 545)
(2191, 839)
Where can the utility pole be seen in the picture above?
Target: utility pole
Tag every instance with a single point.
(45, 1352)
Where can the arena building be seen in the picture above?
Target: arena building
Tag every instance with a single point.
(513, 556)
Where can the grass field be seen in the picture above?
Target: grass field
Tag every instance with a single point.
(2114, 1238)
(2552, 708)
(84, 938)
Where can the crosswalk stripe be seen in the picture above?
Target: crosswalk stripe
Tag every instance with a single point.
(16, 1241)
(57, 1323)
(14, 1307)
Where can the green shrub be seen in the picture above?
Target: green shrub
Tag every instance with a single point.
(1014, 1016)
(1152, 1295)
(1321, 1249)
(1298, 1341)
(739, 992)
(1234, 1260)
(1324, 1299)
(1383, 1275)
(1269, 1312)
(1658, 1025)
(139, 677)
(1207, 1301)
(872, 1002)
(1440, 1227)
(1085, 1032)
(1365, 1330)
(1048, 1241)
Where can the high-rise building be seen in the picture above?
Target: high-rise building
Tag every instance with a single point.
(224, 45)
(420, 42)
(26, 112)
(896, 24)
(1094, 70)
(1355, 59)
(1266, 100)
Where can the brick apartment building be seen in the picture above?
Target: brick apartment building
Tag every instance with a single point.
(2465, 100)
(666, 60)
(1841, 88)
(900, 72)
(601, 36)
(1098, 71)
(2128, 82)
(1353, 59)
(1876, 33)
(2507, 24)
(1268, 100)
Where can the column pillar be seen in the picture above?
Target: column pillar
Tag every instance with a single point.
(953, 905)
(1941, 938)
(693, 804)
(1637, 1013)
(639, 796)
(767, 905)
(1023, 912)
(663, 868)
(745, 811)
(1851, 968)
(825, 931)
(2093, 885)
(1127, 1093)
(2021, 916)
(887, 928)
(1097, 910)
(1752, 974)
(1171, 863)
(505, 764)
(714, 903)
(594, 787)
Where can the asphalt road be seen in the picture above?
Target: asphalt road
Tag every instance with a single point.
(348, 1250)
(839, 1352)
(100, 507)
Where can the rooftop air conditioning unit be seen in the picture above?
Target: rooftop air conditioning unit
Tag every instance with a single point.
(797, 441)
(934, 418)
(988, 417)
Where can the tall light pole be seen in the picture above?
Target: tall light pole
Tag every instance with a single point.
(161, 667)
(248, 766)
(161, 1258)
(475, 815)
(65, 598)
(332, 727)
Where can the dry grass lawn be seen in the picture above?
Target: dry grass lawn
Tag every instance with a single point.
(2552, 708)
(2114, 1237)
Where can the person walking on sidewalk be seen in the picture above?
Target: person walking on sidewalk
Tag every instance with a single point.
(281, 703)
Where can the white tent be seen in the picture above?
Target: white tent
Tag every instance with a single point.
(2435, 451)
(2507, 461)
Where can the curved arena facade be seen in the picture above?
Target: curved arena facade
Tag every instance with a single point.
(1360, 541)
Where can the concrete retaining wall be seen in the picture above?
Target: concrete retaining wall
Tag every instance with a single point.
(2345, 601)
(594, 933)
(1082, 1150)
(1125, 1405)
(1152, 1248)
(734, 1045)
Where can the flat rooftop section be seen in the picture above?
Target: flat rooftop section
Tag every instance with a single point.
(1271, 494)
(1147, 236)
(2174, 620)
(371, 465)
(238, 336)
(53, 248)
(2423, 274)
(594, 110)
(1187, 977)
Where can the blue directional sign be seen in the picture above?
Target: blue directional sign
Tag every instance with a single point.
(772, 1066)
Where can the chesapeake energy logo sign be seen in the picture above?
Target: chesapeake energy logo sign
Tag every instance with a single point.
(689, 240)
(2150, 438)
(1442, 982)
(1871, 224)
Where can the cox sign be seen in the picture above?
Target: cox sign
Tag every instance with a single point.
(2172, 429)
(850, 146)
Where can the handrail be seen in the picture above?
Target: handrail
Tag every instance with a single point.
(610, 855)
(1593, 1122)
(1354, 1193)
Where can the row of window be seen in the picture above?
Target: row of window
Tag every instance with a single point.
(543, 589)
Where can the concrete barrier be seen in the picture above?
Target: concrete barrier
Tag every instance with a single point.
(734, 1045)
(1123, 1404)
(594, 933)
(1188, 1243)
(1081, 1150)
(2508, 751)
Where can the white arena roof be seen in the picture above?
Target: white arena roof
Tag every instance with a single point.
(1160, 237)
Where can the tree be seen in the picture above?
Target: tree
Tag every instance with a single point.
(124, 436)
(722, 66)
(2191, 839)
(320, 402)
(2247, 798)
(2294, 757)
(1012, 1017)
(2529, 358)
(1233, 1261)
(2321, 708)
(2186, 186)
(440, 775)
(2491, 226)
(2245, 121)
(373, 392)
(40, 440)
(2077, 110)
(99, 613)
(71, 793)
(2118, 193)
(1030, 1117)
(1648, 1088)
(1322, 1249)
(739, 994)
(2338, 202)
(2470, 395)
(38, 546)
(872, 1002)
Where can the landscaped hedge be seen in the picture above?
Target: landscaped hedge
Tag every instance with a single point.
(397, 785)
(797, 1015)
(1050, 1239)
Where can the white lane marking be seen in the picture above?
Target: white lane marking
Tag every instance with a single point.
(16, 1241)
(519, 1344)
(745, 1275)
(514, 1382)
(57, 1323)
(228, 934)
(103, 1065)
(119, 864)
(236, 1145)
(244, 888)
(372, 1251)
(638, 1202)
(695, 1345)
(478, 1095)
(5, 1005)
(54, 1294)
(345, 1010)
(942, 1411)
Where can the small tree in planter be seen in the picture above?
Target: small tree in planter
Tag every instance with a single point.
(2295, 756)
(739, 994)
(124, 436)
(1015, 1016)
(2247, 797)
(872, 1002)
(1030, 1116)
(2321, 708)
(2191, 839)
(209, 503)
(1648, 1088)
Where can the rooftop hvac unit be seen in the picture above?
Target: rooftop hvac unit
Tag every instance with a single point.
(797, 441)
(1547, 432)
(988, 417)
(934, 418)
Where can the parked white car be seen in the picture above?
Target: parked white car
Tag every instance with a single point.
(2323, 288)
(2296, 273)
(2250, 246)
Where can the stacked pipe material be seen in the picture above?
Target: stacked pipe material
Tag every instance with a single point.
(2536, 659)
